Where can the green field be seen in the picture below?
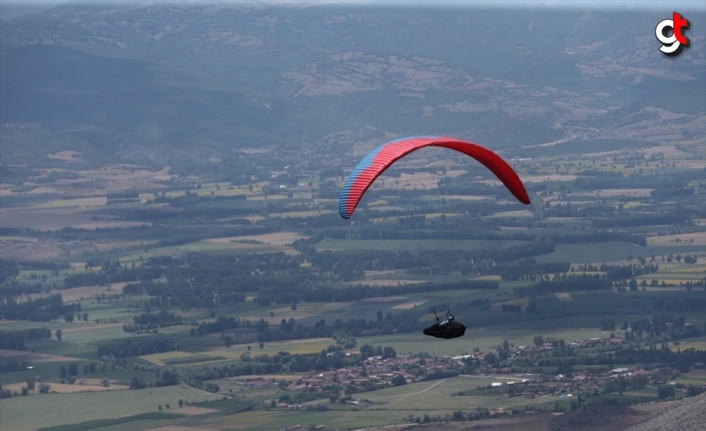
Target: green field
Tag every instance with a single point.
(413, 244)
(54, 347)
(437, 396)
(693, 377)
(483, 339)
(58, 409)
(391, 406)
(274, 419)
(124, 423)
(610, 251)
(233, 353)
(215, 247)
(698, 345)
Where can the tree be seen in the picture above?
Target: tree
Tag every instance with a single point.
(633, 284)
(399, 380)
(227, 340)
(137, 383)
(294, 306)
(30, 384)
(490, 358)
(181, 402)
(44, 388)
(389, 352)
(5, 393)
(664, 392)
(621, 384)
(73, 369)
(69, 317)
(212, 387)
(693, 390)
(58, 334)
(262, 345)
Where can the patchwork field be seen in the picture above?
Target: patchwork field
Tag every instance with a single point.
(223, 354)
(384, 282)
(693, 238)
(303, 311)
(279, 238)
(159, 163)
(34, 357)
(81, 385)
(413, 245)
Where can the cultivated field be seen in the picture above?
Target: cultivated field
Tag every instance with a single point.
(413, 245)
(56, 409)
(483, 339)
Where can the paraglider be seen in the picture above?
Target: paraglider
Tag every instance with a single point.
(381, 158)
(449, 328)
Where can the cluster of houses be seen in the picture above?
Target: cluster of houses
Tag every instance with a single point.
(378, 372)
(374, 370)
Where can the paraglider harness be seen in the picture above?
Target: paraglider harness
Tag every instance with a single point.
(449, 328)
(449, 318)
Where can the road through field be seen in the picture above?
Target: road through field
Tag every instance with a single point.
(420, 392)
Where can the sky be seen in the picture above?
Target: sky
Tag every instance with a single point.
(629, 4)
(10, 9)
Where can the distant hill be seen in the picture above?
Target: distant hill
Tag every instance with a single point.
(686, 98)
(108, 100)
(146, 81)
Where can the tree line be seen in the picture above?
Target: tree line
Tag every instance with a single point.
(38, 310)
(15, 340)
(568, 285)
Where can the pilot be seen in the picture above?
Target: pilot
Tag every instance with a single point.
(447, 321)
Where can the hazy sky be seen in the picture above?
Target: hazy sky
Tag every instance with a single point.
(641, 4)
(10, 9)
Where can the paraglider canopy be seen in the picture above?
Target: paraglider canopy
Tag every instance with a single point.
(381, 158)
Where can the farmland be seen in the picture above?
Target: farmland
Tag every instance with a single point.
(172, 255)
(58, 409)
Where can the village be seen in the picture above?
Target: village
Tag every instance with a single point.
(507, 380)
